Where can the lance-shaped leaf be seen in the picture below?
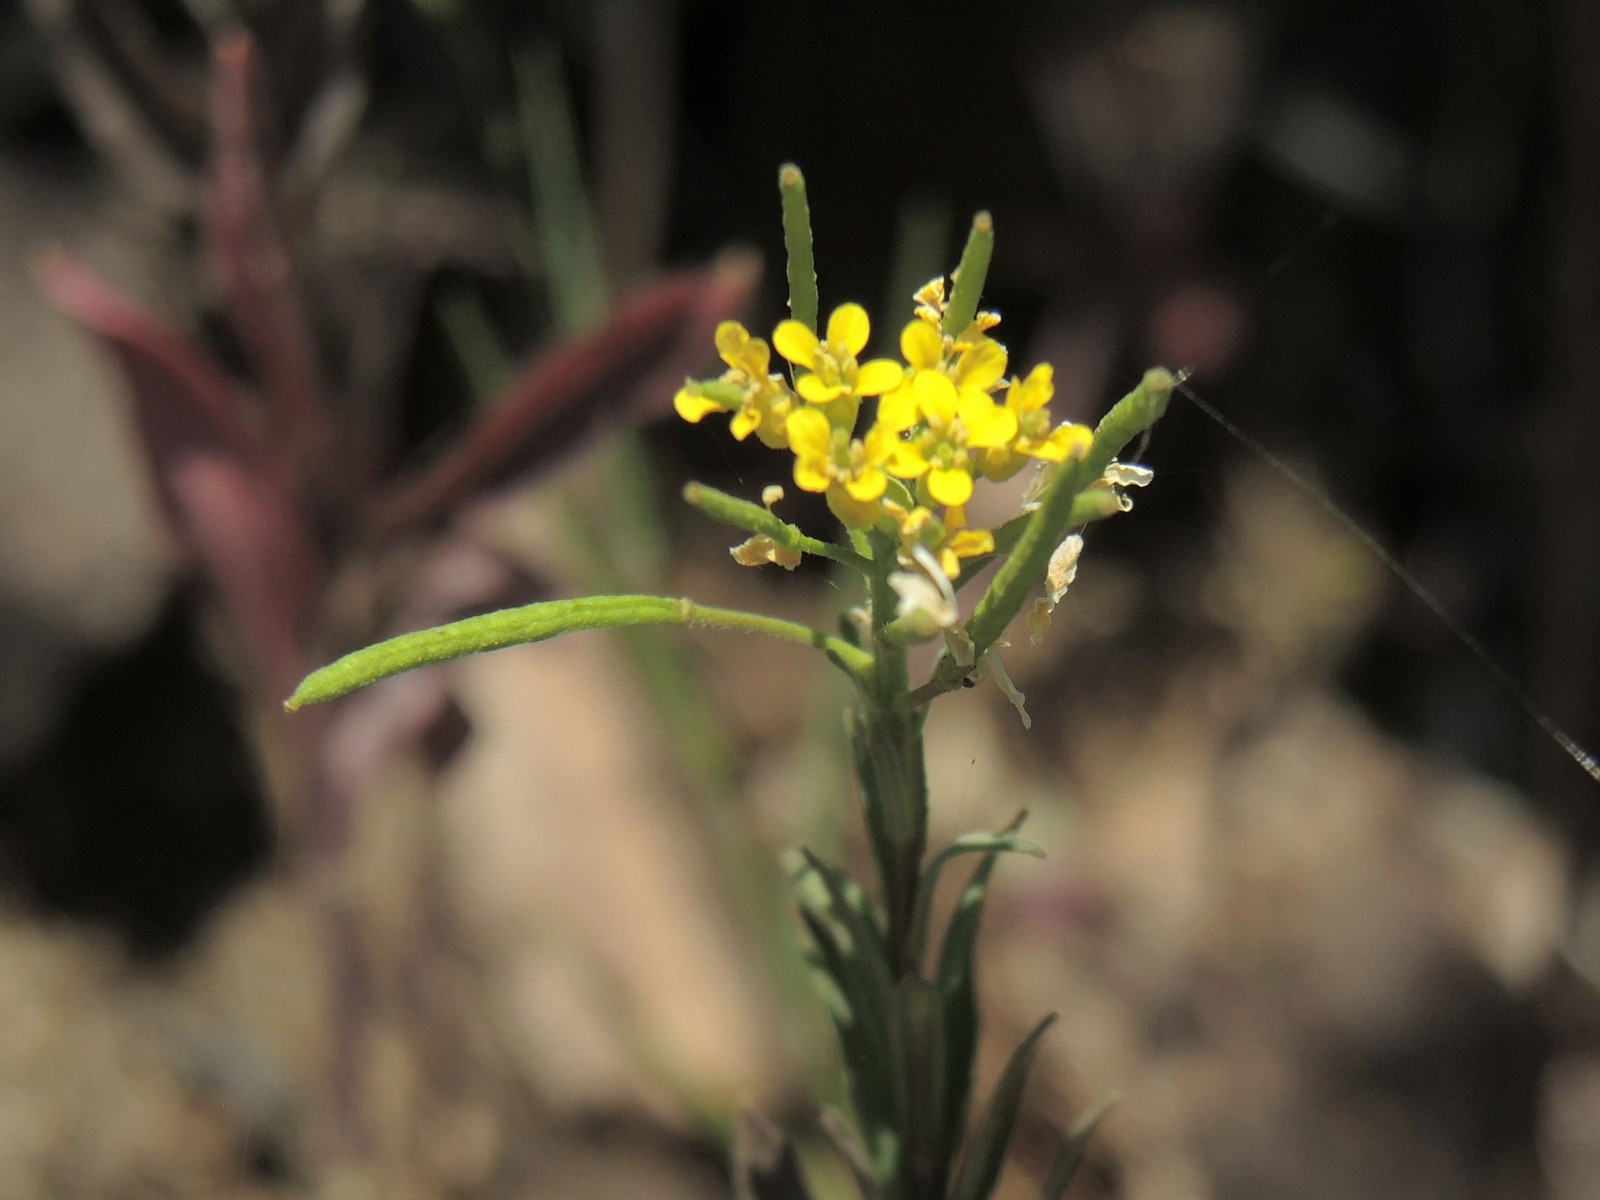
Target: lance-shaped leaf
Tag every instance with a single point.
(247, 257)
(765, 1166)
(1072, 1148)
(987, 1152)
(953, 976)
(225, 499)
(849, 947)
(631, 364)
(1006, 841)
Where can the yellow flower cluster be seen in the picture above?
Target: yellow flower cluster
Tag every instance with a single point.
(941, 421)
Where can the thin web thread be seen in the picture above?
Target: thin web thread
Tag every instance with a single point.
(1376, 548)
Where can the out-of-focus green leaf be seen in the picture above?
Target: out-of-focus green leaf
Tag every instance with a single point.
(765, 1166)
(981, 1167)
(1071, 1152)
(1006, 841)
(953, 976)
(849, 947)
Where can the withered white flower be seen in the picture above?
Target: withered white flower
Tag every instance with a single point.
(993, 664)
(758, 550)
(1063, 569)
(928, 604)
(1127, 475)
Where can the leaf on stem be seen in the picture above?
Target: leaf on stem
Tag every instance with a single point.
(953, 976)
(1071, 1152)
(987, 1151)
(849, 947)
(1006, 841)
(765, 1166)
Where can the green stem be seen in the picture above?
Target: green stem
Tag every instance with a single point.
(1131, 416)
(742, 514)
(536, 622)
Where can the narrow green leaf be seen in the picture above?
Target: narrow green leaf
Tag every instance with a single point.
(987, 1152)
(802, 267)
(851, 949)
(535, 623)
(970, 276)
(765, 1166)
(1071, 1152)
(922, 1020)
(836, 1128)
(1004, 842)
(954, 978)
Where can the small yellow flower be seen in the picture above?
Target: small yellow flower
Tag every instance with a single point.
(848, 470)
(829, 367)
(957, 422)
(1027, 399)
(760, 402)
(978, 363)
(949, 541)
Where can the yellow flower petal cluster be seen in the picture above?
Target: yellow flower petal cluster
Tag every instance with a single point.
(942, 422)
(760, 402)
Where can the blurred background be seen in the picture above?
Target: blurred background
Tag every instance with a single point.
(325, 321)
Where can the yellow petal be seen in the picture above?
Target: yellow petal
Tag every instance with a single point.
(811, 474)
(897, 411)
(879, 444)
(744, 423)
(982, 365)
(907, 462)
(693, 405)
(857, 514)
(1065, 441)
(921, 345)
(816, 389)
(878, 376)
(936, 397)
(949, 486)
(848, 329)
(810, 436)
(868, 485)
(755, 358)
(796, 343)
(988, 424)
(1037, 390)
(969, 543)
(731, 339)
